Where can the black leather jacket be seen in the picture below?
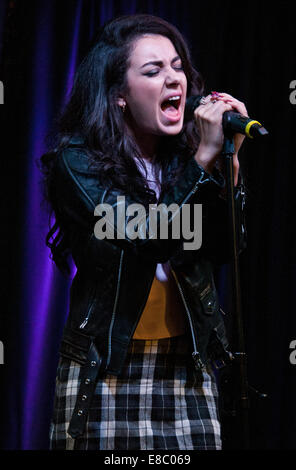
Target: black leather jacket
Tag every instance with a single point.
(113, 278)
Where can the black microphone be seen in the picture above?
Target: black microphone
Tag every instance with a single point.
(232, 121)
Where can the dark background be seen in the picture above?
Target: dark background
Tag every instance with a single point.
(246, 49)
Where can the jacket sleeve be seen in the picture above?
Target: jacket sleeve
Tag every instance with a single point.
(80, 199)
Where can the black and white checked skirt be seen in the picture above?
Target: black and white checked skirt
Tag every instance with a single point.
(158, 401)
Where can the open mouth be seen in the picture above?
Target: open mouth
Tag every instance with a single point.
(171, 106)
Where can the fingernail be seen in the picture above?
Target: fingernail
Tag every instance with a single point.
(216, 95)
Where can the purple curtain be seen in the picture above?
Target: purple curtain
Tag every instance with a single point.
(59, 33)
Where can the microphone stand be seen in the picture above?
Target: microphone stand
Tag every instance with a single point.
(240, 358)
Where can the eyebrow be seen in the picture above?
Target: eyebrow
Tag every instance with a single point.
(160, 62)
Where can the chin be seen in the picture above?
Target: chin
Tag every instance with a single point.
(172, 130)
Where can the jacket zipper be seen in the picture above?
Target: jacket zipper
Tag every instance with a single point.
(194, 189)
(199, 365)
(85, 321)
(114, 308)
(90, 309)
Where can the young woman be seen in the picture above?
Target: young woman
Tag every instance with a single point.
(144, 320)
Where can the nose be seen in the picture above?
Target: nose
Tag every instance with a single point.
(172, 78)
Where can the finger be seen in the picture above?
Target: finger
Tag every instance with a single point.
(205, 100)
(238, 105)
(217, 109)
(212, 105)
(200, 110)
(227, 95)
(212, 112)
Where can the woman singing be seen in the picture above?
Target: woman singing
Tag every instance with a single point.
(144, 321)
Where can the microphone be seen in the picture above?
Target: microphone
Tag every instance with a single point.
(232, 121)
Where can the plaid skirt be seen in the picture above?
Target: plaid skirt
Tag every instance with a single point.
(159, 401)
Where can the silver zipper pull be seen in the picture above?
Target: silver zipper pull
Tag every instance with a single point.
(199, 365)
(83, 324)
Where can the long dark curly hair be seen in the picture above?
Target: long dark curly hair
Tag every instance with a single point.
(92, 113)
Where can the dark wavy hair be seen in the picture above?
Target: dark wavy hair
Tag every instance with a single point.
(92, 112)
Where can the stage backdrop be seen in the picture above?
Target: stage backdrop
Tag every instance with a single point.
(250, 54)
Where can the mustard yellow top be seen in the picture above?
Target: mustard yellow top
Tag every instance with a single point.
(163, 315)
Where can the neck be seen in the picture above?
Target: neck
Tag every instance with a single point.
(148, 147)
(147, 151)
(147, 144)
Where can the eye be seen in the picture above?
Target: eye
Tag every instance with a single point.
(178, 67)
(151, 73)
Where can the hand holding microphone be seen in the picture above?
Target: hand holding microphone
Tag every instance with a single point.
(216, 114)
(232, 121)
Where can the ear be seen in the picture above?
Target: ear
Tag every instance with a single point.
(121, 102)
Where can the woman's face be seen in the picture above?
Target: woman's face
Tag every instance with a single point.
(157, 87)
